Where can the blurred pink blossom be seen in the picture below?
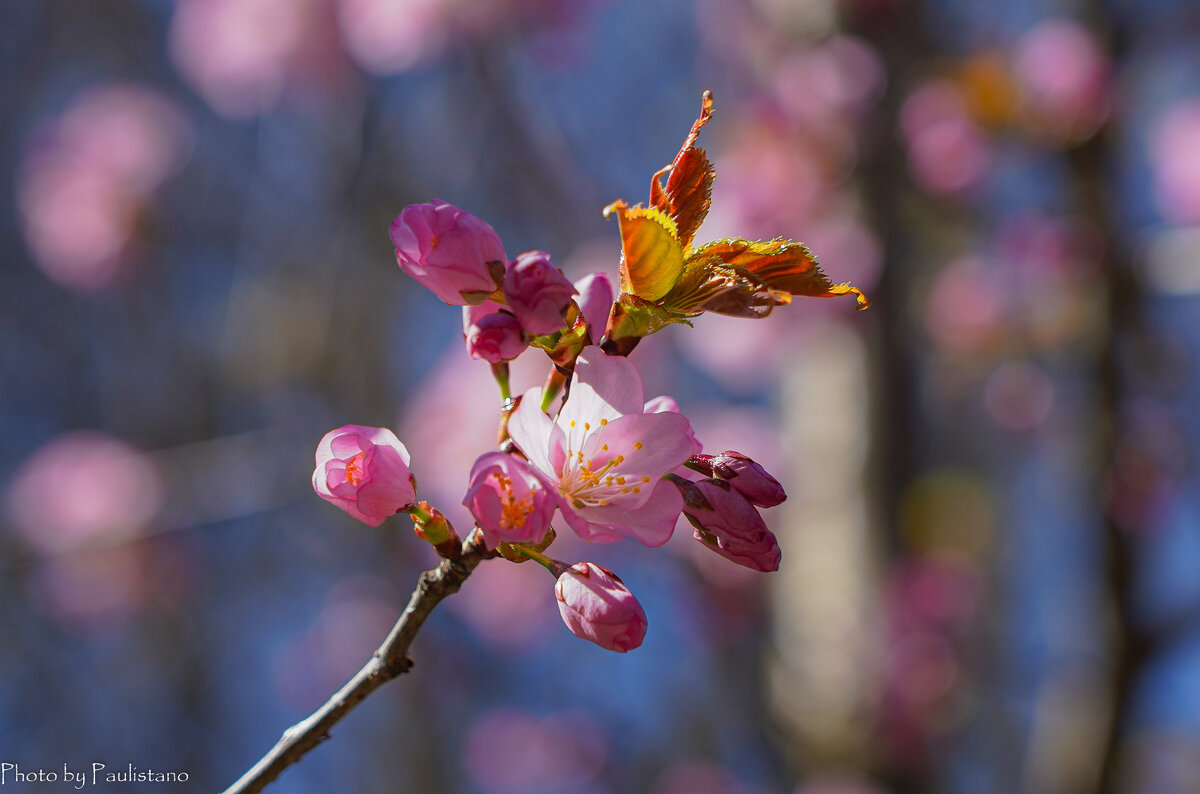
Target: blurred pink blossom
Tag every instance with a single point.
(1019, 395)
(243, 55)
(507, 605)
(965, 309)
(1175, 160)
(512, 751)
(947, 152)
(697, 777)
(94, 588)
(387, 36)
(88, 175)
(769, 183)
(452, 418)
(354, 620)
(82, 489)
(829, 83)
(1064, 78)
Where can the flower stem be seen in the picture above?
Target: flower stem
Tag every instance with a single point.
(500, 372)
(553, 566)
(554, 384)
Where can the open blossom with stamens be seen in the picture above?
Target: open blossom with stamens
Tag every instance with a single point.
(605, 455)
(364, 471)
(509, 500)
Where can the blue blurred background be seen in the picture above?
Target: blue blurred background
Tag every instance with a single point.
(991, 570)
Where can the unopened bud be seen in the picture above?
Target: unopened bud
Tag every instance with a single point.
(433, 528)
(747, 477)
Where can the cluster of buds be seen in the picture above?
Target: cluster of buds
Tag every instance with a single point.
(607, 462)
(461, 259)
(723, 508)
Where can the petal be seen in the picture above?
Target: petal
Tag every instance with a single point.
(652, 523)
(603, 387)
(530, 430)
(660, 404)
(652, 444)
(587, 531)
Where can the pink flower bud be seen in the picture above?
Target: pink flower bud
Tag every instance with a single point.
(509, 500)
(492, 334)
(595, 302)
(538, 293)
(597, 606)
(747, 477)
(728, 524)
(364, 471)
(448, 250)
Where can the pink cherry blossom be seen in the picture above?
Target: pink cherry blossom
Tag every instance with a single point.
(88, 176)
(728, 524)
(1064, 76)
(604, 454)
(492, 334)
(538, 293)
(1175, 161)
(596, 606)
(947, 151)
(449, 251)
(510, 501)
(364, 471)
(595, 302)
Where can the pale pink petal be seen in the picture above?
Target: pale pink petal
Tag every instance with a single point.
(652, 522)
(604, 387)
(530, 430)
(592, 533)
(650, 443)
(660, 404)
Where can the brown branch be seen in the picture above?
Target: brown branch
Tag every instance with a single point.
(389, 661)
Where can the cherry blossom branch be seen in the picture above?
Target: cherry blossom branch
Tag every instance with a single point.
(389, 661)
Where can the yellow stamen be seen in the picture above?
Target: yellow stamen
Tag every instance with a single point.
(354, 471)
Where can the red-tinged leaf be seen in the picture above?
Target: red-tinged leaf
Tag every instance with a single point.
(778, 265)
(687, 194)
(713, 286)
(651, 256)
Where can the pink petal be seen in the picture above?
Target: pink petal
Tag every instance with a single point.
(530, 430)
(604, 387)
(652, 523)
(652, 444)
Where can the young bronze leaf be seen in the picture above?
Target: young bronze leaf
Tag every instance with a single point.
(688, 191)
(651, 256)
(779, 265)
(710, 285)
